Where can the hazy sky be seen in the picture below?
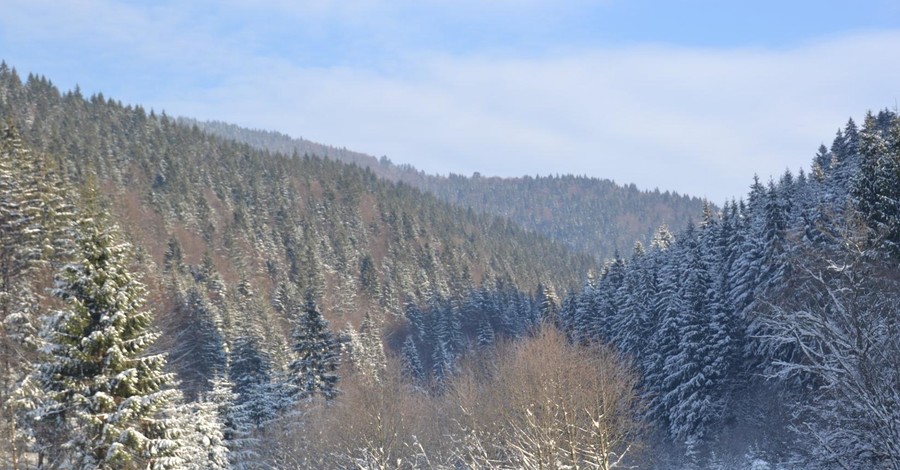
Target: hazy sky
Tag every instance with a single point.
(691, 96)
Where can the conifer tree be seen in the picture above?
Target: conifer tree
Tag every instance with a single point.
(412, 363)
(18, 253)
(416, 320)
(366, 348)
(775, 262)
(876, 189)
(585, 312)
(251, 366)
(314, 370)
(203, 442)
(113, 401)
(663, 343)
(200, 351)
(373, 360)
(442, 363)
(173, 259)
(821, 163)
(635, 296)
(549, 304)
(606, 303)
(485, 331)
(512, 321)
(696, 371)
(236, 435)
(35, 234)
(451, 318)
(845, 153)
(251, 372)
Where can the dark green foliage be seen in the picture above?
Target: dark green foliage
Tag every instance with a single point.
(485, 333)
(876, 191)
(229, 235)
(198, 352)
(251, 372)
(368, 276)
(548, 303)
(438, 336)
(412, 364)
(173, 259)
(708, 316)
(314, 372)
(219, 226)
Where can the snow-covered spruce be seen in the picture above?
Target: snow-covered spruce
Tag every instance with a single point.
(111, 402)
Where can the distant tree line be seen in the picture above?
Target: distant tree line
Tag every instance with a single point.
(589, 215)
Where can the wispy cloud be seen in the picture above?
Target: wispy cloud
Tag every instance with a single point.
(697, 121)
(700, 120)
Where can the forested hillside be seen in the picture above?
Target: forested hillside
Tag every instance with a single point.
(252, 264)
(590, 215)
(322, 225)
(170, 299)
(767, 334)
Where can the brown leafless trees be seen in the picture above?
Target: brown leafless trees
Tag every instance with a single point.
(545, 404)
(537, 403)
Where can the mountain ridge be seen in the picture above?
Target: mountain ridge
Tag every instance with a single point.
(591, 215)
(199, 207)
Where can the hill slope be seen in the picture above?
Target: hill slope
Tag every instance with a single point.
(229, 235)
(798, 285)
(590, 215)
(237, 246)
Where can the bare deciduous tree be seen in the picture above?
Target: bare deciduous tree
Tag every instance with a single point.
(546, 404)
(843, 331)
(536, 403)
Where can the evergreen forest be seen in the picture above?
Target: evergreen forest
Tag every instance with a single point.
(177, 294)
(589, 215)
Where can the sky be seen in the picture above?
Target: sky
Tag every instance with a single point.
(691, 96)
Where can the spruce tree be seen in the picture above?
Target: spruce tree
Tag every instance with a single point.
(112, 400)
(200, 352)
(606, 302)
(636, 294)
(876, 189)
(416, 320)
(697, 369)
(236, 432)
(20, 252)
(314, 370)
(485, 332)
(412, 363)
(584, 313)
(549, 304)
(663, 344)
(203, 442)
(452, 318)
(35, 234)
(442, 363)
(372, 360)
(251, 372)
(776, 266)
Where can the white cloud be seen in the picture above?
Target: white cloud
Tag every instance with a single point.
(700, 121)
(695, 121)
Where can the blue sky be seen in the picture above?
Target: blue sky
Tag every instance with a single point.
(693, 96)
